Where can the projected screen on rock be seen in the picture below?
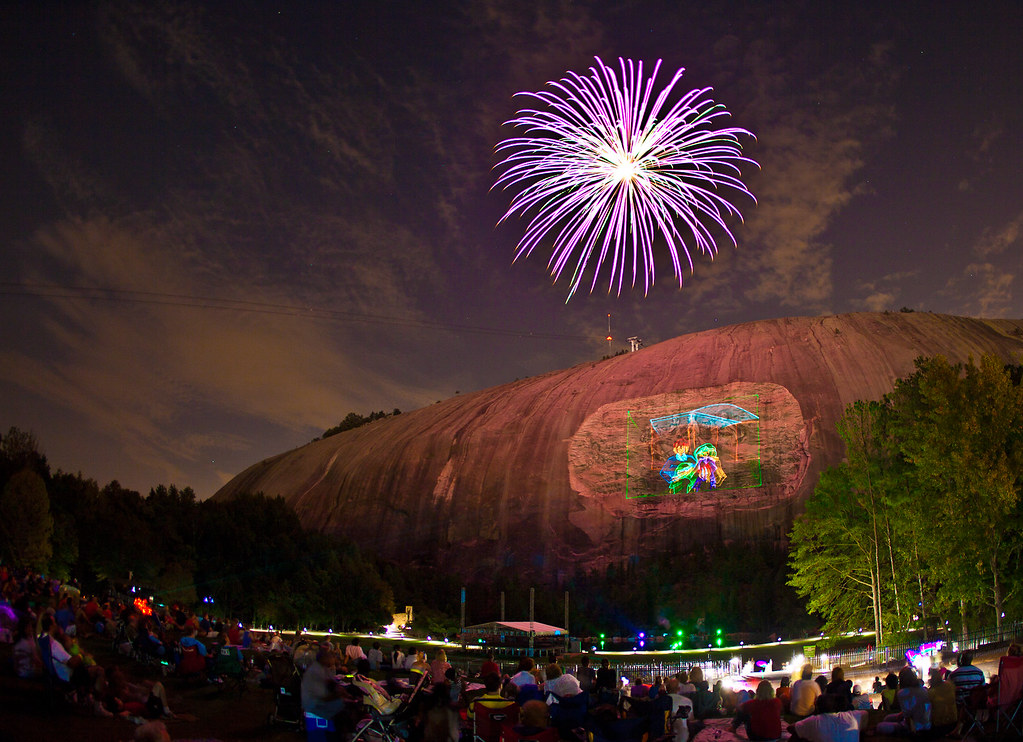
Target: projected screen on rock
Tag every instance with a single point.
(693, 452)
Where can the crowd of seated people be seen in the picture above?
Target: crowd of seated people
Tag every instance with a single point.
(50, 618)
(46, 620)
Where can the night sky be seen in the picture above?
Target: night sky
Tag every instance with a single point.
(224, 226)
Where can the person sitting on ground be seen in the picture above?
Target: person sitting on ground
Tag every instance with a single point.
(706, 702)
(840, 688)
(375, 657)
(419, 664)
(397, 658)
(560, 683)
(410, 659)
(860, 700)
(681, 706)
(804, 693)
(639, 689)
(829, 725)
(889, 696)
(353, 652)
(784, 692)
(28, 663)
(915, 717)
(944, 714)
(119, 697)
(491, 697)
(523, 675)
(65, 616)
(822, 681)
(761, 716)
(685, 685)
(234, 633)
(878, 685)
(439, 666)
(490, 666)
(321, 694)
(966, 677)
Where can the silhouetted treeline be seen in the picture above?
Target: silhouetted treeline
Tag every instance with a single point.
(355, 420)
(249, 554)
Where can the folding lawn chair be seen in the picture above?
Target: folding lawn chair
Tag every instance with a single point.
(974, 712)
(488, 720)
(1009, 709)
(192, 664)
(568, 712)
(287, 688)
(228, 669)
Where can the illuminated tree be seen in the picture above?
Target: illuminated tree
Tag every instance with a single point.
(834, 557)
(961, 429)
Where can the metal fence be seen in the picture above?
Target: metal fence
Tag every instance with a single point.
(989, 637)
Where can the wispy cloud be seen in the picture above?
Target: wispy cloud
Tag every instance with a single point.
(997, 241)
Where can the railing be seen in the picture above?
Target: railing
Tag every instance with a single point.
(896, 653)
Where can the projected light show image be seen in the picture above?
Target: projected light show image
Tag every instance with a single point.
(693, 452)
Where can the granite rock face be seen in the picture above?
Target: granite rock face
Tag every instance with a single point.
(565, 468)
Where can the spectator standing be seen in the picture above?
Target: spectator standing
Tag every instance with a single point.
(490, 666)
(586, 675)
(321, 694)
(607, 680)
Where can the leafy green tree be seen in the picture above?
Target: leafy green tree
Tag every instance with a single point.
(25, 521)
(834, 557)
(960, 428)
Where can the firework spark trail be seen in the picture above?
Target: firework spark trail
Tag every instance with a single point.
(604, 173)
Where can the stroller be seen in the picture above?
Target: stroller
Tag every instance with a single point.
(391, 726)
(287, 687)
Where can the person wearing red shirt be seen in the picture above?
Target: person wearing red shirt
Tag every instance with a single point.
(490, 667)
(762, 715)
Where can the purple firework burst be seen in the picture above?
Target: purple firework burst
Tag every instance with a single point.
(605, 172)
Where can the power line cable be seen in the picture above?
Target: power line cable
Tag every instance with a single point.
(160, 298)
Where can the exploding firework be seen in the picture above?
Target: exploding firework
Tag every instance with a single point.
(605, 172)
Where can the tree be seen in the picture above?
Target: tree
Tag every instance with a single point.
(834, 557)
(25, 521)
(960, 428)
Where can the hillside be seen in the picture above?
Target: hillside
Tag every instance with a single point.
(564, 468)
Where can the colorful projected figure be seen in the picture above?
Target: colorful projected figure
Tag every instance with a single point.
(692, 469)
(708, 466)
